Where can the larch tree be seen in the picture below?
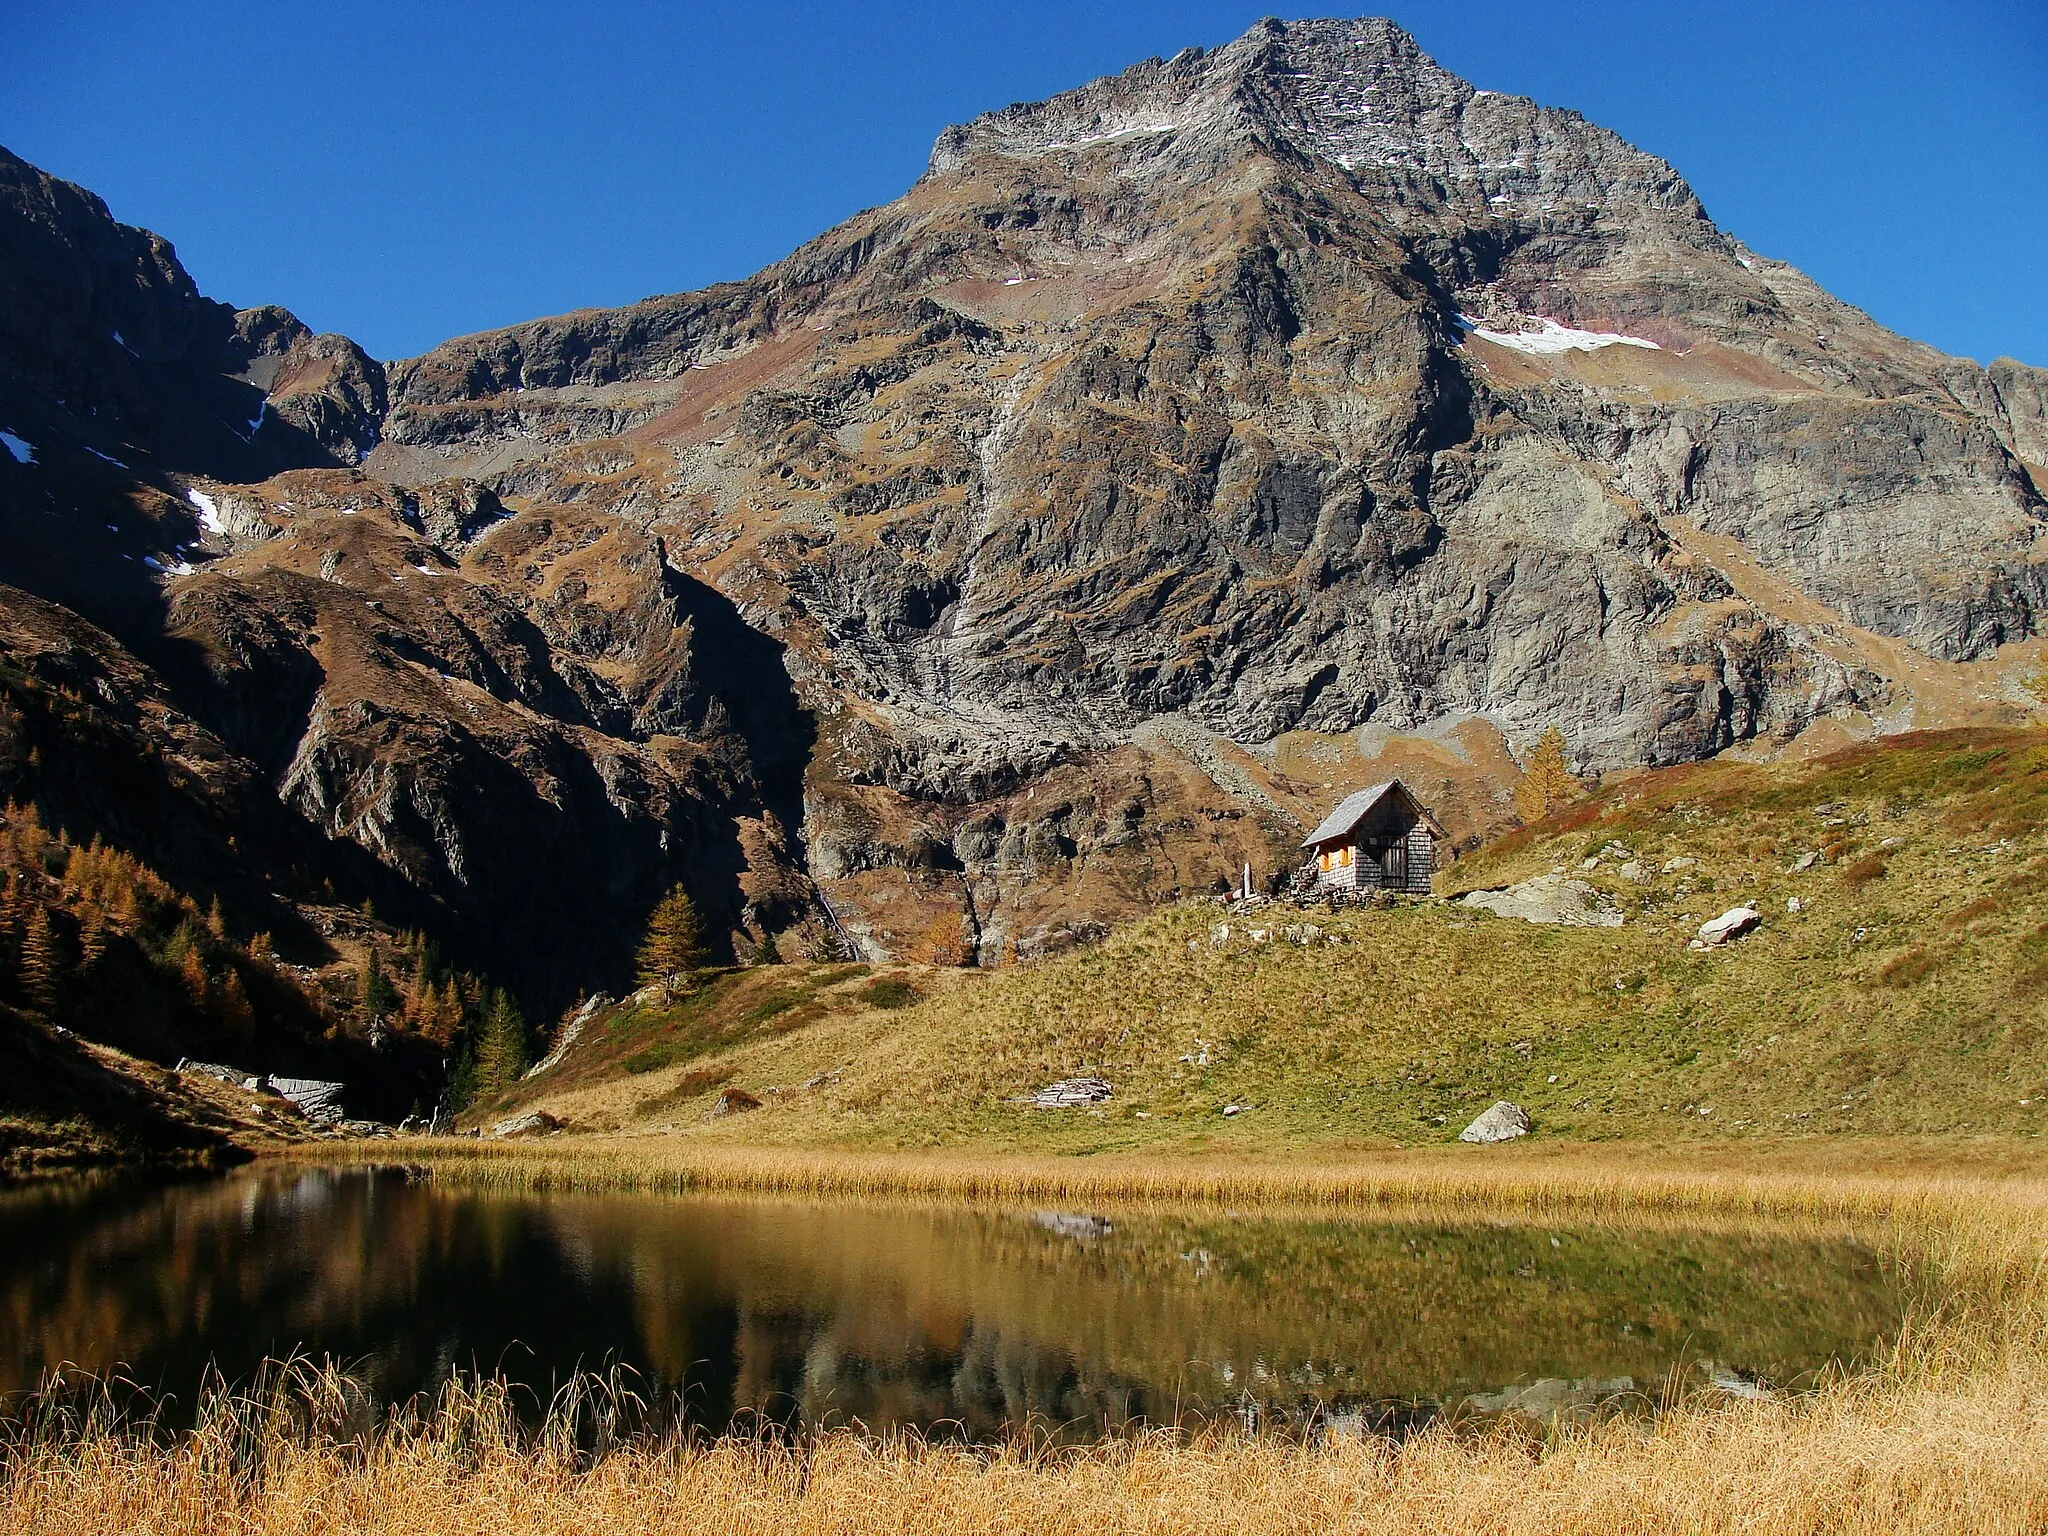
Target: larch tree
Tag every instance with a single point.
(1547, 780)
(501, 1047)
(674, 941)
(39, 963)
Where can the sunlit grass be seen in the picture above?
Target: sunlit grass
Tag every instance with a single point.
(1907, 993)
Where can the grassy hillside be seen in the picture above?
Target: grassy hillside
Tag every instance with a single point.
(1908, 994)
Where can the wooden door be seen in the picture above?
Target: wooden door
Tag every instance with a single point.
(1395, 867)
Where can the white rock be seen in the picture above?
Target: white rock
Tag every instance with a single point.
(536, 1123)
(1732, 924)
(1503, 1122)
(1673, 866)
(1549, 899)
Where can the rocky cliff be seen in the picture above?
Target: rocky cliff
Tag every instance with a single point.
(1053, 539)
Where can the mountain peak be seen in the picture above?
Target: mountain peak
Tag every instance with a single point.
(1359, 94)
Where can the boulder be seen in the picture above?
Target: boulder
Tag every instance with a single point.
(1551, 898)
(1503, 1122)
(1683, 861)
(536, 1122)
(1732, 924)
(733, 1101)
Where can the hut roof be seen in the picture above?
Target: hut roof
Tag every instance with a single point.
(1353, 809)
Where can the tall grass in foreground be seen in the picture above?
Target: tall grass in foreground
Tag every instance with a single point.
(1931, 1450)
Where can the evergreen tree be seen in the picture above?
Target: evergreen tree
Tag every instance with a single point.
(377, 995)
(674, 942)
(1547, 782)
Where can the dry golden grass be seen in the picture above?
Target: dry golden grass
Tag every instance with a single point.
(1942, 1438)
(1939, 1456)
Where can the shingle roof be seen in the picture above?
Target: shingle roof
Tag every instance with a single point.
(1353, 809)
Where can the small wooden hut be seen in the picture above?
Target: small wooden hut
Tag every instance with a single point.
(1381, 838)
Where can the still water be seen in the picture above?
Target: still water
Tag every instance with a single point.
(958, 1321)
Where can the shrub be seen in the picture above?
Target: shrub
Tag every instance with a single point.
(889, 992)
(1866, 869)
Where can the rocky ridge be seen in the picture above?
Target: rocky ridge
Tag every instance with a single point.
(1035, 546)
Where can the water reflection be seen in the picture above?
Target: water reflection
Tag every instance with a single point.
(974, 1320)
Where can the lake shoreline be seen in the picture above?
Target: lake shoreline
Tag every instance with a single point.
(1936, 1436)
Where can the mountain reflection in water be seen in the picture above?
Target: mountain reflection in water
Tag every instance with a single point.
(965, 1321)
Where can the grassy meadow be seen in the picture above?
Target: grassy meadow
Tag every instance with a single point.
(1906, 994)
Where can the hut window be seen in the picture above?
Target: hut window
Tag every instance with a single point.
(1344, 856)
(1324, 859)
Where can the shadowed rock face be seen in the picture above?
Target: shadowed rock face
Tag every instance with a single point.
(976, 573)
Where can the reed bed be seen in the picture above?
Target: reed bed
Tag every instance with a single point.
(1584, 1180)
(1939, 1450)
(1942, 1437)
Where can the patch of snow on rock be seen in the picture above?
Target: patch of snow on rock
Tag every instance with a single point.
(1550, 339)
(208, 510)
(24, 451)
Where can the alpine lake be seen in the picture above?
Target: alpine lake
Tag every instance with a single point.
(958, 1322)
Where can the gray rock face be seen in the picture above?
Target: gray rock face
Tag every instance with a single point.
(316, 1100)
(1503, 1122)
(964, 570)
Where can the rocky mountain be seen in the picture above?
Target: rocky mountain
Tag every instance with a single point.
(1056, 538)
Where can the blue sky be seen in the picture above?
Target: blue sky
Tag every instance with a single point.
(408, 172)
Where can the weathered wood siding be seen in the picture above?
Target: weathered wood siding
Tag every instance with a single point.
(1421, 856)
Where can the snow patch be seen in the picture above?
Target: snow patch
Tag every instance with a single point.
(209, 512)
(256, 421)
(24, 451)
(1134, 131)
(1549, 339)
(108, 457)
